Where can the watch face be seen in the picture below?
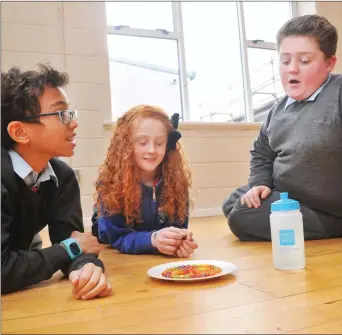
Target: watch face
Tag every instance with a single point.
(74, 248)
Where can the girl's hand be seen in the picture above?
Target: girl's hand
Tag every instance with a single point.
(188, 246)
(167, 240)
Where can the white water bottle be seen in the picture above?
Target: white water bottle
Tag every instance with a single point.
(287, 234)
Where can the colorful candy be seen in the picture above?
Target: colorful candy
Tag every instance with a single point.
(192, 271)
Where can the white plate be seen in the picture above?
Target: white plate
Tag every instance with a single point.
(156, 271)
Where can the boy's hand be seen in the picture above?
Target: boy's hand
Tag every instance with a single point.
(167, 240)
(89, 282)
(252, 197)
(188, 245)
(88, 242)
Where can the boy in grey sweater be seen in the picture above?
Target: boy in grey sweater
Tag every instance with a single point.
(299, 148)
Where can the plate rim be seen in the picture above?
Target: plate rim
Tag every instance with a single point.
(192, 261)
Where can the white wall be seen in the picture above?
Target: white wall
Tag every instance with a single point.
(307, 7)
(333, 12)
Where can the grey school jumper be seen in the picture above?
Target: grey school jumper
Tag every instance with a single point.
(298, 150)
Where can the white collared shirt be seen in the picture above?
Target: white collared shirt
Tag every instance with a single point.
(313, 97)
(26, 173)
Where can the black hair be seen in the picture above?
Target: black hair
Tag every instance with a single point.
(20, 92)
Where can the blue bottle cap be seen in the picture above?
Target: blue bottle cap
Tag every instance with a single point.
(284, 204)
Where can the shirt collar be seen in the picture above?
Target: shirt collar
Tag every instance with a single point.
(313, 97)
(25, 172)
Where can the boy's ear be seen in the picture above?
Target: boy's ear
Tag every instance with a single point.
(17, 132)
(331, 62)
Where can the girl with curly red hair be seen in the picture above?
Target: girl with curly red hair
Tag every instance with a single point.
(142, 188)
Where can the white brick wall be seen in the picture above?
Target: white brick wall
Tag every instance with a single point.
(31, 38)
(31, 33)
(42, 14)
(218, 156)
(87, 64)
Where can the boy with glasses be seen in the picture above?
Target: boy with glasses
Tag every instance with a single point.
(39, 190)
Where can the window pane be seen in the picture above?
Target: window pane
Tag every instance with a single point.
(212, 53)
(265, 80)
(264, 19)
(143, 71)
(144, 15)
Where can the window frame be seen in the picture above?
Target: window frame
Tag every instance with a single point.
(178, 35)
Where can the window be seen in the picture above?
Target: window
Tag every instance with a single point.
(263, 19)
(139, 76)
(220, 67)
(216, 92)
(264, 79)
(145, 15)
(262, 56)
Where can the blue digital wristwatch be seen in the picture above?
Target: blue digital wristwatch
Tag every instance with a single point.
(72, 247)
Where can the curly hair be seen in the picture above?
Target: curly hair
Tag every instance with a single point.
(118, 186)
(20, 92)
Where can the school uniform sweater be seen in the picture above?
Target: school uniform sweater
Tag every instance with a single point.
(25, 212)
(299, 150)
(135, 239)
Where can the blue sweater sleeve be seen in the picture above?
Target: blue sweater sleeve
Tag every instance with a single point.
(186, 223)
(114, 231)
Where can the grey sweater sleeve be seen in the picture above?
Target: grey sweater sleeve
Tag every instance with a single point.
(262, 158)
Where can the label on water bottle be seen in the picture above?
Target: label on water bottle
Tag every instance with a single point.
(287, 237)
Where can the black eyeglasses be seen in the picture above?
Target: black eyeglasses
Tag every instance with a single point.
(65, 116)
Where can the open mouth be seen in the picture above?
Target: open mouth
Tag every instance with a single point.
(71, 139)
(294, 81)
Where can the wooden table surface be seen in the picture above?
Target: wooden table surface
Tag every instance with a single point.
(255, 299)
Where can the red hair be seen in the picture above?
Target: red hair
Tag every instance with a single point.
(118, 186)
